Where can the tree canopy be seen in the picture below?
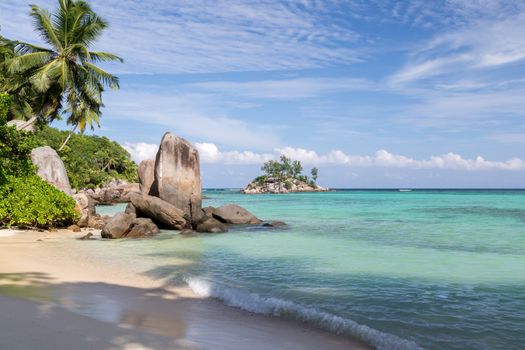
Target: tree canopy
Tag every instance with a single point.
(63, 77)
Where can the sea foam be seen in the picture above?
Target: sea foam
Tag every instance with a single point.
(284, 308)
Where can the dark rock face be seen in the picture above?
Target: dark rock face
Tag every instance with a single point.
(177, 175)
(146, 173)
(159, 210)
(118, 226)
(131, 209)
(51, 168)
(274, 224)
(233, 214)
(211, 225)
(142, 227)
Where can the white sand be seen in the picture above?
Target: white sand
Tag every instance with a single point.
(56, 298)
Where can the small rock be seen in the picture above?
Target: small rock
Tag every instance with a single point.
(74, 228)
(274, 224)
(142, 227)
(86, 237)
(187, 232)
(212, 225)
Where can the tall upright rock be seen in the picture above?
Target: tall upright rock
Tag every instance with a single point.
(146, 173)
(51, 168)
(178, 176)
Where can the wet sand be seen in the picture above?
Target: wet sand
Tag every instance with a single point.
(57, 298)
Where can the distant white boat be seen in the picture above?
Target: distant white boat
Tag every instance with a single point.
(405, 190)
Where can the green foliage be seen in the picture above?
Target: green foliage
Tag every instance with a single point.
(283, 169)
(260, 180)
(314, 172)
(5, 103)
(15, 151)
(30, 201)
(288, 185)
(63, 77)
(90, 160)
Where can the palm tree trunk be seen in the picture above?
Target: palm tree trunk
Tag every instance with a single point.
(67, 138)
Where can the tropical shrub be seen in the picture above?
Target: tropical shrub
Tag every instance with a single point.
(30, 201)
(15, 150)
(5, 102)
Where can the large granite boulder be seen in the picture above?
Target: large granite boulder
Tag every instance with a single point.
(146, 172)
(142, 227)
(22, 125)
(51, 168)
(233, 214)
(118, 226)
(177, 175)
(159, 210)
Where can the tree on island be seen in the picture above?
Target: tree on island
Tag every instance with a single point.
(285, 170)
(65, 73)
(314, 172)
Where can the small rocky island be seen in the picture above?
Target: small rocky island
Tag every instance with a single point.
(284, 176)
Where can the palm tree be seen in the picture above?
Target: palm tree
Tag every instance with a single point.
(65, 72)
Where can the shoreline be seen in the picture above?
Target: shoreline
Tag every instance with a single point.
(121, 307)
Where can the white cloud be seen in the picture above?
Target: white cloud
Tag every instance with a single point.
(211, 154)
(141, 151)
(483, 44)
(159, 36)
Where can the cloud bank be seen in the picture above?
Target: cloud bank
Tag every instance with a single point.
(211, 154)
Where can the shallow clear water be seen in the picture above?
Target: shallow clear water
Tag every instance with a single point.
(401, 270)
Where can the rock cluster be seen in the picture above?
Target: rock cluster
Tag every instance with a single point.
(88, 215)
(116, 191)
(170, 197)
(290, 185)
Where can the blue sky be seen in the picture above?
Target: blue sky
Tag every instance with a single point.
(375, 93)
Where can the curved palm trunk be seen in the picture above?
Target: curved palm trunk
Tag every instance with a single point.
(67, 138)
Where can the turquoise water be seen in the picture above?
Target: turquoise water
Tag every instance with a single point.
(400, 270)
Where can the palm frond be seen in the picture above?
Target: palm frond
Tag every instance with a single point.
(46, 75)
(44, 26)
(105, 57)
(26, 62)
(103, 76)
(23, 48)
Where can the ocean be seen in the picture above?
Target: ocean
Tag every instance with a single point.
(432, 269)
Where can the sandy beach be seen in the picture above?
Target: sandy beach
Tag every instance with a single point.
(57, 298)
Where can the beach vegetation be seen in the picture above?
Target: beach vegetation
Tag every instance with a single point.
(30, 201)
(26, 199)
